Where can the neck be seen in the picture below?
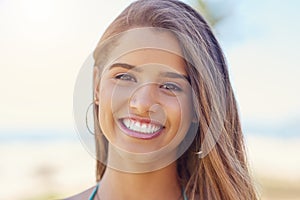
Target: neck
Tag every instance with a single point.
(162, 184)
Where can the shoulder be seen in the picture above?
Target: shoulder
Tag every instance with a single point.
(83, 195)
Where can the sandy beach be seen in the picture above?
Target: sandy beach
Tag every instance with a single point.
(54, 170)
(275, 164)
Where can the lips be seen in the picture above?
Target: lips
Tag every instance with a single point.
(140, 128)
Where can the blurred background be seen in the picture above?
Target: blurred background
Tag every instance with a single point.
(44, 43)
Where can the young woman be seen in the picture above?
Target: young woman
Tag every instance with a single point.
(166, 119)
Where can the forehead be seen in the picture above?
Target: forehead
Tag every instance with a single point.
(144, 46)
(154, 59)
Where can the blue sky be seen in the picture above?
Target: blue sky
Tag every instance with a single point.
(44, 43)
(261, 41)
(265, 66)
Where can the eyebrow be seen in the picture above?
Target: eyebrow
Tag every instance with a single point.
(126, 66)
(175, 75)
(165, 74)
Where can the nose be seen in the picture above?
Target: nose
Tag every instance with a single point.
(143, 99)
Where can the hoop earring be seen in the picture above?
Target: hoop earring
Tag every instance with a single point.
(86, 119)
(199, 153)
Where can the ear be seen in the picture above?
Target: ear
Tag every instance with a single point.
(96, 84)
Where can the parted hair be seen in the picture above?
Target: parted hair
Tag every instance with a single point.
(223, 173)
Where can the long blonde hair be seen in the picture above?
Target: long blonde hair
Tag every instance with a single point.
(223, 173)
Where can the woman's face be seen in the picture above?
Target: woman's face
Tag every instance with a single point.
(145, 98)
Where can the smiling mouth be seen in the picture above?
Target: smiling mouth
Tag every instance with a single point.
(142, 129)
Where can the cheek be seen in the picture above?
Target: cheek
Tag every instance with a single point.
(111, 97)
(179, 109)
(174, 111)
(105, 108)
(180, 114)
(111, 100)
(105, 95)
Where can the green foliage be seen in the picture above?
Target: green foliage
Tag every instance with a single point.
(212, 12)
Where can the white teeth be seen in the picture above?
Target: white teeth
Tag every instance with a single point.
(140, 127)
(152, 129)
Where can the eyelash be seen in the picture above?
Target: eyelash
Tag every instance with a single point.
(170, 86)
(125, 77)
(165, 86)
